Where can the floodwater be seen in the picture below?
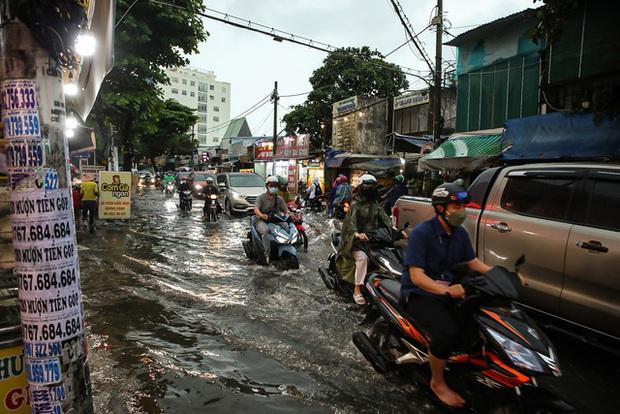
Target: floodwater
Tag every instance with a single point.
(180, 321)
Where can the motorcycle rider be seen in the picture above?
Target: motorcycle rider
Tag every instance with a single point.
(434, 247)
(184, 186)
(399, 189)
(314, 192)
(343, 192)
(267, 203)
(365, 216)
(283, 189)
(209, 189)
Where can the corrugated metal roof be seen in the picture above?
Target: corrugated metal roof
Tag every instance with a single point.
(491, 26)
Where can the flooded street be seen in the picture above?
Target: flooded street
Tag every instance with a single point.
(180, 321)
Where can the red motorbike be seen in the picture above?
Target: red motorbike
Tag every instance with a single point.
(297, 216)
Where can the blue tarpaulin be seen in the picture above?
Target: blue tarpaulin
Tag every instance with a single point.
(560, 135)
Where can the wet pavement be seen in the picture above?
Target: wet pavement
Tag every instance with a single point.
(180, 321)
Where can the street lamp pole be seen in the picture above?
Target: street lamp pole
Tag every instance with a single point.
(275, 99)
(438, 21)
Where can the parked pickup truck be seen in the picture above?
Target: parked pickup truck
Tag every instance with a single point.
(565, 218)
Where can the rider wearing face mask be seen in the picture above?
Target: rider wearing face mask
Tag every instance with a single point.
(434, 247)
(268, 203)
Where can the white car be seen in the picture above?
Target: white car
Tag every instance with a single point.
(240, 191)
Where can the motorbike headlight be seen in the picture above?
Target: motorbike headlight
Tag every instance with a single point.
(518, 354)
(213, 197)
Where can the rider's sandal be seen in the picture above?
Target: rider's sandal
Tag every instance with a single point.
(359, 299)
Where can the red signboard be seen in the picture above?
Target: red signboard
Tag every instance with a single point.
(263, 151)
(293, 147)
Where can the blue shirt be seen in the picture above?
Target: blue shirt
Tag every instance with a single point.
(432, 249)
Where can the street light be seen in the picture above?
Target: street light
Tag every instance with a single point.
(71, 122)
(70, 133)
(85, 44)
(70, 89)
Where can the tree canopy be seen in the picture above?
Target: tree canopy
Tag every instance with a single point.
(149, 38)
(345, 72)
(172, 132)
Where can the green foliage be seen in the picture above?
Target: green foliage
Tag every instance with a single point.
(171, 133)
(551, 18)
(149, 38)
(345, 72)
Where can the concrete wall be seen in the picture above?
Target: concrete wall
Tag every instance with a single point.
(361, 127)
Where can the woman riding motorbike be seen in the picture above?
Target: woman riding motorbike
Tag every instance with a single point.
(343, 194)
(364, 217)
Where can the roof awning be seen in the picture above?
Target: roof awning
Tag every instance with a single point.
(560, 136)
(379, 164)
(407, 143)
(462, 152)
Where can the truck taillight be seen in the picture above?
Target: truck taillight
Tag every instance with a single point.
(395, 215)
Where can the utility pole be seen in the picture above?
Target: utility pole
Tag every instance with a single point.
(438, 21)
(46, 257)
(275, 99)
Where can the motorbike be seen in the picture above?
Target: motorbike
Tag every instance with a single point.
(385, 249)
(299, 224)
(315, 204)
(341, 210)
(169, 189)
(284, 237)
(211, 210)
(185, 200)
(503, 352)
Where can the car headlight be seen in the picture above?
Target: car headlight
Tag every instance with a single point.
(236, 195)
(197, 187)
(518, 354)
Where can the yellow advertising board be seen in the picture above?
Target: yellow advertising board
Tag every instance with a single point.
(13, 383)
(114, 195)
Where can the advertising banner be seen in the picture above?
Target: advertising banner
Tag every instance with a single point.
(293, 147)
(13, 391)
(114, 195)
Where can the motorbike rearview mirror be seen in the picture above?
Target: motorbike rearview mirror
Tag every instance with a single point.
(223, 185)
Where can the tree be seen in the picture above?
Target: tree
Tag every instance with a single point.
(171, 133)
(345, 72)
(150, 37)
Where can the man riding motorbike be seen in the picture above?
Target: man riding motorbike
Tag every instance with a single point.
(434, 247)
(267, 203)
(343, 193)
(283, 189)
(209, 189)
(364, 217)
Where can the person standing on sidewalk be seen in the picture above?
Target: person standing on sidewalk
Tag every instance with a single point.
(89, 191)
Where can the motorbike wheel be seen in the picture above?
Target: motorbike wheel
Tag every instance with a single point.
(371, 353)
(248, 249)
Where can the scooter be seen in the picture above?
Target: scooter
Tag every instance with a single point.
(503, 351)
(185, 200)
(385, 251)
(284, 236)
(169, 189)
(211, 210)
(341, 210)
(299, 224)
(316, 204)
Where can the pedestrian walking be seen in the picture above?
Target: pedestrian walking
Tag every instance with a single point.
(89, 191)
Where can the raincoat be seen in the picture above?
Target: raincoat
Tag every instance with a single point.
(343, 193)
(365, 216)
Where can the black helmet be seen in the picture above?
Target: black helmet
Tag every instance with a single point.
(450, 193)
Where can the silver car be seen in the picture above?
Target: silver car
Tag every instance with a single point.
(240, 190)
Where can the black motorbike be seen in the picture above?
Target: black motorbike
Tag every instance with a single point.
(212, 208)
(502, 353)
(384, 248)
(185, 200)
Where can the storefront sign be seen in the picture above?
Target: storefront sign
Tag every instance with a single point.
(91, 170)
(411, 99)
(292, 178)
(13, 384)
(293, 147)
(263, 151)
(345, 105)
(114, 195)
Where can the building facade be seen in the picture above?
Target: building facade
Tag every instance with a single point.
(199, 90)
(360, 125)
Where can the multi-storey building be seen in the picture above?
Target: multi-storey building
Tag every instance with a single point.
(199, 90)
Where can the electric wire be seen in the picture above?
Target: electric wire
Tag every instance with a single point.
(248, 111)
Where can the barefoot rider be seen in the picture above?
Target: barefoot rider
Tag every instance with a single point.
(434, 247)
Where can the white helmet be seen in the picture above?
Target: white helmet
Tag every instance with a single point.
(368, 179)
(272, 179)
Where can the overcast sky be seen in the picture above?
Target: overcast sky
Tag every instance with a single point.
(251, 62)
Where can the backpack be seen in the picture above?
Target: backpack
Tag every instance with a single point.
(317, 190)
